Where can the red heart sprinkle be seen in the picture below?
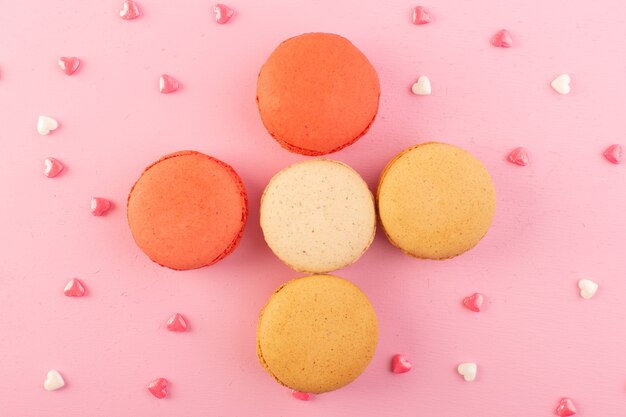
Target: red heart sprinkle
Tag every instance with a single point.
(130, 10)
(613, 154)
(69, 65)
(176, 323)
(502, 39)
(400, 364)
(519, 156)
(566, 408)
(52, 167)
(420, 16)
(302, 396)
(99, 206)
(158, 387)
(74, 288)
(223, 13)
(167, 84)
(474, 302)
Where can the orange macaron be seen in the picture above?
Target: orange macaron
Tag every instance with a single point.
(317, 93)
(187, 210)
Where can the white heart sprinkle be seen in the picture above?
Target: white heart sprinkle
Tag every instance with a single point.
(422, 86)
(588, 288)
(561, 84)
(468, 371)
(53, 381)
(46, 124)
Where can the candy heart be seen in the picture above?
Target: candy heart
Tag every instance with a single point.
(400, 365)
(474, 302)
(420, 16)
(468, 371)
(588, 288)
(167, 84)
(46, 124)
(52, 167)
(519, 156)
(176, 323)
(74, 288)
(53, 381)
(613, 154)
(69, 65)
(223, 13)
(561, 84)
(422, 86)
(502, 39)
(565, 408)
(158, 387)
(99, 206)
(130, 10)
(303, 396)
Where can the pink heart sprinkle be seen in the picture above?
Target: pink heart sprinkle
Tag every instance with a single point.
(223, 13)
(474, 302)
(566, 408)
(613, 154)
(158, 387)
(400, 364)
(502, 39)
(130, 10)
(519, 156)
(74, 288)
(167, 84)
(99, 206)
(52, 167)
(176, 323)
(302, 396)
(69, 65)
(420, 16)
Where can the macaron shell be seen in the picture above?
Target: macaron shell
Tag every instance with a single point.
(317, 333)
(318, 215)
(317, 93)
(187, 210)
(435, 201)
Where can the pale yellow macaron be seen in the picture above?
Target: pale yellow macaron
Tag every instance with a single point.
(435, 201)
(318, 215)
(317, 333)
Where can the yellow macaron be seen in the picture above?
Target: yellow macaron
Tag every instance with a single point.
(317, 333)
(435, 201)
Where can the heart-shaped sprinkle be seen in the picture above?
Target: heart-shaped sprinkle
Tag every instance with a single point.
(158, 387)
(68, 64)
(502, 39)
(422, 86)
(474, 302)
(74, 288)
(400, 364)
(302, 396)
(613, 154)
(167, 84)
(223, 13)
(588, 288)
(52, 167)
(561, 84)
(519, 156)
(565, 408)
(420, 16)
(53, 381)
(46, 124)
(130, 10)
(468, 371)
(99, 206)
(176, 323)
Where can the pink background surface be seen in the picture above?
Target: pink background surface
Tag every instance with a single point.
(558, 220)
